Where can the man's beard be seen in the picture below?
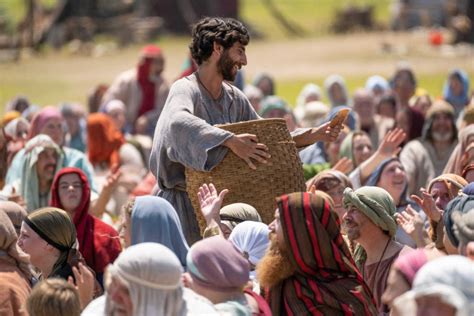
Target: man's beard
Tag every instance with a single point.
(275, 266)
(352, 232)
(226, 65)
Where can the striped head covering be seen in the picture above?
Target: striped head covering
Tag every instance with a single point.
(326, 278)
(376, 204)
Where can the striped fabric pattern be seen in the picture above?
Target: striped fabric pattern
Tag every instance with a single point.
(326, 281)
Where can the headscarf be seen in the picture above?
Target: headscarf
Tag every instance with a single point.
(152, 274)
(409, 263)
(149, 53)
(326, 278)
(449, 179)
(98, 242)
(329, 175)
(112, 105)
(469, 189)
(9, 116)
(155, 220)
(54, 226)
(11, 129)
(15, 212)
(214, 263)
(310, 89)
(251, 239)
(314, 113)
(41, 119)
(103, 140)
(377, 82)
(455, 162)
(376, 204)
(29, 185)
(461, 203)
(463, 226)
(262, 76)
(8, 239)
(18, 102)
(374, 178)
(439, 106)
(329, 82)
(273, 102)
(347, 146)
(451, 278)
(352, 118)
(236, 213)
(457, 101)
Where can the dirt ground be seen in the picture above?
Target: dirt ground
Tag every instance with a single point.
(356, 54)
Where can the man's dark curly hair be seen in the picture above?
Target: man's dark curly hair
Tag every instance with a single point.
(224, 31)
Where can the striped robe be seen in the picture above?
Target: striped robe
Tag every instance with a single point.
(326, 281)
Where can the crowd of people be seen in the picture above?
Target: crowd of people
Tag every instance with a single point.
(95, 218)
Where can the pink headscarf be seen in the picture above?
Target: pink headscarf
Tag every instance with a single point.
(409, 264)
(41, 118)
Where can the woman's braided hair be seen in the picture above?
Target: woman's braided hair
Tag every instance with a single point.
(224, 31)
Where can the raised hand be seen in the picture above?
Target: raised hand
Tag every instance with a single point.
(16, 198)
(390, 145)
(210, 201)
(410, 221)
(247, 147)
(343, 165)
(85, 282)
(326, 133)
(428, 205)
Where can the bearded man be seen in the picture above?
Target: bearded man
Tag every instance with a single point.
(185, 135)
(425, 158)
(308, 269)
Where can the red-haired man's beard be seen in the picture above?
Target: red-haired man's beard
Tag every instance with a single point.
(275, 266)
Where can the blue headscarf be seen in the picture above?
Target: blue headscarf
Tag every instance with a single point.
(457, 101)
(155, 220)
(375, 177)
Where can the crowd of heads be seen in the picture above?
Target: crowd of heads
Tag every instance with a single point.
(386, 225)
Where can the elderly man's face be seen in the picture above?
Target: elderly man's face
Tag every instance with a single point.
(442, 128)
(46, 164)
(355, 223)
(364, 106)
(119, 296)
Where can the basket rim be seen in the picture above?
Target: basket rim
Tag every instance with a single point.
(259, 121)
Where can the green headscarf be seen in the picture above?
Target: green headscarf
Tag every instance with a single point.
(236, 213)
(376, 204)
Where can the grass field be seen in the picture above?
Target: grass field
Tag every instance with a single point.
(52, 77)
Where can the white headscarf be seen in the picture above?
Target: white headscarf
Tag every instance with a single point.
(152, 274)
(450, 277)
(251, 238)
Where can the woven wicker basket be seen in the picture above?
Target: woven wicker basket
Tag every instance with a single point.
(283, 173)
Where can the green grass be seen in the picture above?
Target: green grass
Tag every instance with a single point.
(313, 16)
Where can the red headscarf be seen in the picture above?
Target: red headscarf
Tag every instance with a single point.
(98, 242)
(103, 140)
(149, 53)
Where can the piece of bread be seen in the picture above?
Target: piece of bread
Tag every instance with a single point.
(340, 117)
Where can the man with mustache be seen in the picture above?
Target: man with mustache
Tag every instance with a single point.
(370, 221)
(308, 269)
(42, 160)
(425, 158)
(185, 135)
